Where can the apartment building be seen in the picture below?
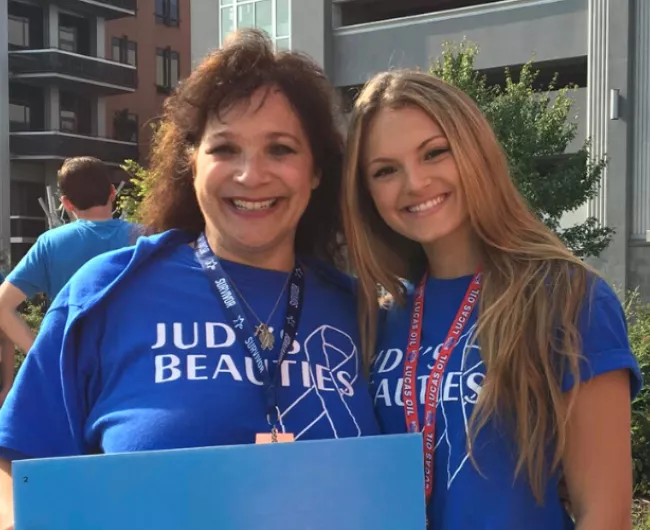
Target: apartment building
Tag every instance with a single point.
(59, 82)
(85, 77)
(156, 42)
(603, 46)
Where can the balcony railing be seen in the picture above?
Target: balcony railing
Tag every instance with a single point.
(467, 11)
(57, 144)
(128, 5)
(102, 72)
(109, 9)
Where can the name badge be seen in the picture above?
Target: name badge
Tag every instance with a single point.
(271, 438)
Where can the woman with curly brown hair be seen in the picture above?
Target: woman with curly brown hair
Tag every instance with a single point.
(231, 323)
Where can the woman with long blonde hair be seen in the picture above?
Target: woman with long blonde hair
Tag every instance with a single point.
(506, 351)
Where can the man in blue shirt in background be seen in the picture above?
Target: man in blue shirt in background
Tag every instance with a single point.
(87, 195)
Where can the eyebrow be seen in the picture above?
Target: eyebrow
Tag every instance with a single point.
(219, 134)
(420, 146)
(281, 134)
(271, 135)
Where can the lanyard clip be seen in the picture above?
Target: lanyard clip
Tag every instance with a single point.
(275, 409)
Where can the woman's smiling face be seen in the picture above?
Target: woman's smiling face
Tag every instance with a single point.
(254, 174)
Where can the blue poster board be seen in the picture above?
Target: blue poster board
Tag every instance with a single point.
(373, 483)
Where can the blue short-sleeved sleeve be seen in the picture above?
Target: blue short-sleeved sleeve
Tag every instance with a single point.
(39, 416)
(605, 345)
(30, 275)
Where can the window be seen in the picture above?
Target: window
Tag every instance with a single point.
(18, 251)
(68, 121)
(18, 31)
(271, 16)
(125, 51)
(68, 38)
(125, 126)
(24, 198)
(26, 107)
(75, 115)
(167, 69)
(19, 117)
(167, 12)
(28, 228)
(282, 26)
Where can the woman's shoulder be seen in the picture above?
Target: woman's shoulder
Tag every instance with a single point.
(346, 284)
(601, 308)
(600, 303)
(102, 273)
(330, 278)
(599, 290)
(602, 325)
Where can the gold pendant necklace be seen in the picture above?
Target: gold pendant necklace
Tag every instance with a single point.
(265, 336)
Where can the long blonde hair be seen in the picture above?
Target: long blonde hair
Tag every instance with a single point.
(533, 286)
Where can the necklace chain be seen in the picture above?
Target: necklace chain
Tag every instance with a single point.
(277, 302)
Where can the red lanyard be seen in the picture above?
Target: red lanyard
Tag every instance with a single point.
(409, 386)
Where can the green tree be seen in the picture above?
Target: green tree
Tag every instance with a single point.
(535, 129)
(140, 182)
(130, 197)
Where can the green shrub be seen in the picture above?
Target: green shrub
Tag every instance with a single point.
(130, 198)
(32, 312)
(638, 315)
(535, 127)
(641, 515)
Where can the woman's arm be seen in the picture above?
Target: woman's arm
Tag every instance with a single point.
(7, 361)
(10, 321)
(598, 458)
(6, 496)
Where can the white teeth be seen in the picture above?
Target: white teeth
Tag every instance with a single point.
(423, 207)
(253, 205)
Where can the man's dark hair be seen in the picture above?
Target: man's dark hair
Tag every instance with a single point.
(85, 181)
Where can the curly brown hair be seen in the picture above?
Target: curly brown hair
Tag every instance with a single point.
(229, 75)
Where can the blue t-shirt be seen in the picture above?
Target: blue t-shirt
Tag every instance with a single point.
(462, 497)
(137, 354)
(60, 252)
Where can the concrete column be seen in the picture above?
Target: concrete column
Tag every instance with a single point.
(51, 14)
(639, 252)
(610, 131)
(204, 34)
(52, 108)
(100, 47)
(315, 38)
(619, 137)
(101, 117)
(641, 156)
(5, 166)
(597, 94)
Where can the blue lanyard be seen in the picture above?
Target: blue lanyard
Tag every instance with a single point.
(243, 329)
